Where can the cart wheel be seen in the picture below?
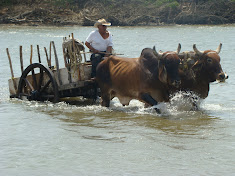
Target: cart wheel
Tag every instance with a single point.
(40, 86)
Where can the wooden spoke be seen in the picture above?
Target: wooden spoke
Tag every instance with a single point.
(45, 86)
(29, 84)
(34, 80)
(40, 79)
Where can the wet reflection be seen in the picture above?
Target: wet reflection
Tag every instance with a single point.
(188, 123)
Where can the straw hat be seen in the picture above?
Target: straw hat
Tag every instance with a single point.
(102, 22)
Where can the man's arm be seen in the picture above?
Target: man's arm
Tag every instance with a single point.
(91, 48)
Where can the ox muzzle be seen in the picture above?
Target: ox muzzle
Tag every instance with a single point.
(222, 77)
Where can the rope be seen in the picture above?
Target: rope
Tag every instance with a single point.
(187, 62)
(73, 54)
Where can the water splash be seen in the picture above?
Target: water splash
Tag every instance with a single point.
(181, 104)
(185, 101)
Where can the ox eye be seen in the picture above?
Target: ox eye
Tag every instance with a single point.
(209, 60)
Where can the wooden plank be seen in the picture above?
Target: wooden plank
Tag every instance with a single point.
(74, 85)
(12, 89)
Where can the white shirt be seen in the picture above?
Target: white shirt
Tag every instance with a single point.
(98, 42)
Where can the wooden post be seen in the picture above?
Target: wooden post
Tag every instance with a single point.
(39, 58)
(57, 63)
(12, 73)
(21, 60)
(31, 62)
(9, 58)
(31, 54)
(50, 53)
(48, 61)
(84, 54)
(65, 61)
(79, 74)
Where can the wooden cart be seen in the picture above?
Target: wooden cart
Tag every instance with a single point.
(51, 83)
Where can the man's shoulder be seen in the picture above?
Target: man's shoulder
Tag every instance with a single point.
(94, 32)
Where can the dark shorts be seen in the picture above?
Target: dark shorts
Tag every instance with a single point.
(95, 60)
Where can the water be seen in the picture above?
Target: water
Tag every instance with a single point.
(84, 139)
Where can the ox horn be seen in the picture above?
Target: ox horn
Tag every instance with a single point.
(178, 49)
(219, 48)
(196, 50)
(155, 52)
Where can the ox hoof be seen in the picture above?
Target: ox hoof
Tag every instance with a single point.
(157, 110)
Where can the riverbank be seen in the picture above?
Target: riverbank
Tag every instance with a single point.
(119, 13)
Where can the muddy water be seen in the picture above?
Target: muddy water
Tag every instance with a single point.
(85, 139)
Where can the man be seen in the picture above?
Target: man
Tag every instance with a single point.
(100, 43)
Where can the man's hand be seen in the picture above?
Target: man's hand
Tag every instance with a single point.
(95, 51)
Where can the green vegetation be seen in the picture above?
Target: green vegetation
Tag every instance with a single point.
(156, 3)
(7, 2)
(119, 12)
(80, 3)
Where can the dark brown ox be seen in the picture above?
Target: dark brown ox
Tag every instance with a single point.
(145, 78)
(205, 68)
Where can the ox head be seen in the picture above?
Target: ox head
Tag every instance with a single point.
(168, 71)
(209, 61)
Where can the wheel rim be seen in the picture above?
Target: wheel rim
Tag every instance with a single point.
(40, 85)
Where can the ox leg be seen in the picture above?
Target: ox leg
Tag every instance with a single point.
(105, 100)
(95, 92)
(148, 99)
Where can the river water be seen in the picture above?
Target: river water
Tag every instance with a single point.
(85, 139)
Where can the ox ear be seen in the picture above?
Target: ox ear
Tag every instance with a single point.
(162, 74)
(219, 48)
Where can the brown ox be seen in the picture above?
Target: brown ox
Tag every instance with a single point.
(145, 78)
(205, 68)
